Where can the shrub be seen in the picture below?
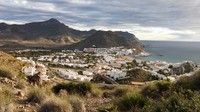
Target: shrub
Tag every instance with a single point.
(107, 108)
(119, 92)
(132, 64)
(55, 105)
(157, 89)
(6, 74)
(36, 96)
(77, 104)
(173, 104)
(74, 88)
(189, 82)
(163, 85)
(131, 103)
(96, 91)
(140, 75)
(187, 101)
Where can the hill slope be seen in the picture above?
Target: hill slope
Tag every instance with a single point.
(11, 64)
(106, 39)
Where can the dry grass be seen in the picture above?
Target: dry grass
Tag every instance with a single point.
(77, 103)
(21, 84)
(7, 74)
(9, 63)
(6, 97)
(119, 91)
(36, 96)
(132, 103)
(55, 104)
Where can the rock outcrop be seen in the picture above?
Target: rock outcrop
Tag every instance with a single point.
(178, 69)
(183, 68)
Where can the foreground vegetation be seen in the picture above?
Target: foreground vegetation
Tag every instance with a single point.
(58, 95)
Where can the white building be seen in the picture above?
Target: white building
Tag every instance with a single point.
(72, 75)
(88, 73)
(108, 58)
(116, 74)
(29, 71)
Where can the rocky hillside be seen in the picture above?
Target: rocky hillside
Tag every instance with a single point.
(53, 33)
(17, 94)
(9, 63)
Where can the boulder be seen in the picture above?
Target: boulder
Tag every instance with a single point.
(188, 66)
(164, 71)
(183, 68)
(178, 70)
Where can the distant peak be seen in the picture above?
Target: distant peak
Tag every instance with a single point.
(53, 20)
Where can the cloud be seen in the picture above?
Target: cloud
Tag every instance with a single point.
(143, 32)
(82, 2)
(26, 4)
(11, 22)
(148, 19)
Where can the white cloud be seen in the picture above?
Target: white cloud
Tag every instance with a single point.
(12, 22)
(29, 5)
(142, 32)
(81, 2)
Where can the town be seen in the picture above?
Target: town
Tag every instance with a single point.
(116, 65)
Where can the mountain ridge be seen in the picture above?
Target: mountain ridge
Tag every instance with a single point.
(53, 33)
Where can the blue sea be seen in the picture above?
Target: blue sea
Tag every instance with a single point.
(172, 51)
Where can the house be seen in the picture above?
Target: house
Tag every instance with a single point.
(29, 70)
(73, 75)
(88, 73)
(108, 58)
(116, 74)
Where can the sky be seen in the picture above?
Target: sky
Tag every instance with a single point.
(174, 20)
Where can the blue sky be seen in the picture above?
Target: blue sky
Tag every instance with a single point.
(147, 19)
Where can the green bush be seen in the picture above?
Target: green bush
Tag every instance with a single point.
(183, 100)
(131, 103)
(74, 88)
(157, 89)
(173, 104)
(189, 82)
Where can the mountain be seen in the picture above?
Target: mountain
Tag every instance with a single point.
(48, 29)
(54, 34)
(106, 39)
(50, 32)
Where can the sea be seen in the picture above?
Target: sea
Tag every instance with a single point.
(172, 51)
